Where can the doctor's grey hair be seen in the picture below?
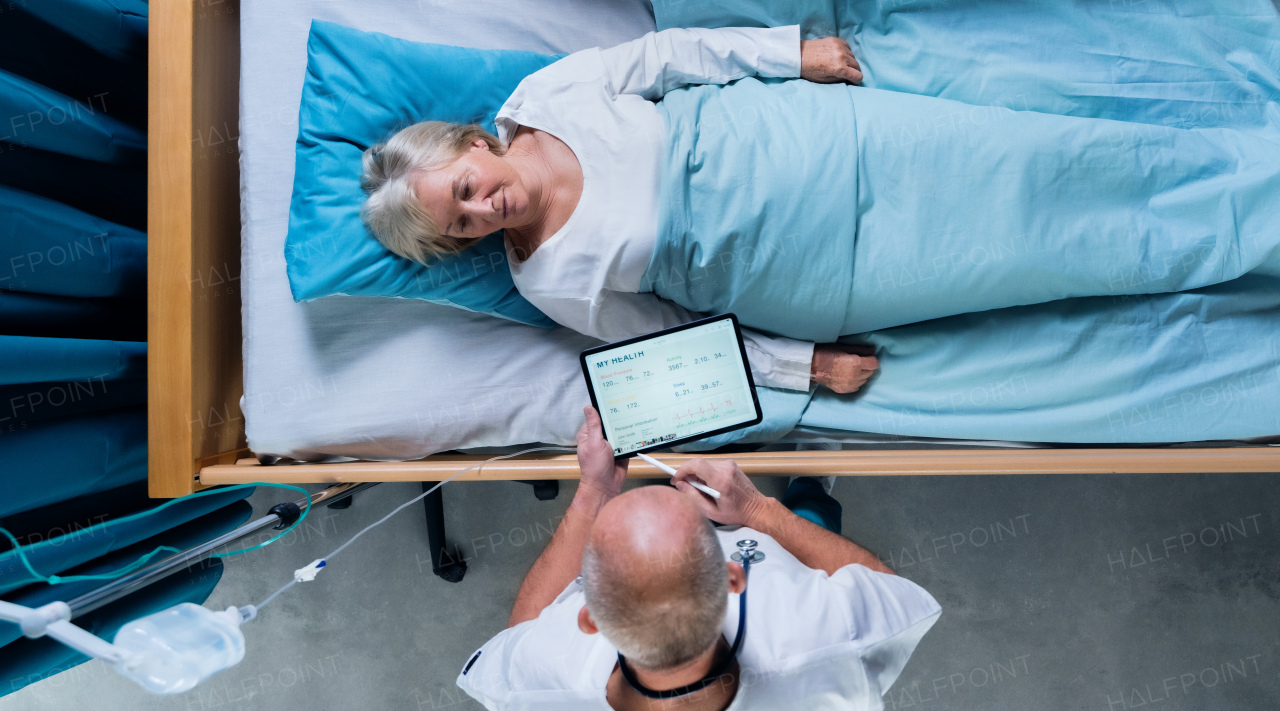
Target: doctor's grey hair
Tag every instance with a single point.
(676, 627)
(392, 211)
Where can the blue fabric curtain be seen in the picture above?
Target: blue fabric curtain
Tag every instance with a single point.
(47, 247)
(70, 317)
(73, 418)
(79, 128)
(36, 50)
(40, 469)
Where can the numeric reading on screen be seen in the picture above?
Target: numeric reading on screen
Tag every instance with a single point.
(671, 387)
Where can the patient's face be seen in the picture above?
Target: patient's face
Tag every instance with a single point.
(476, 194)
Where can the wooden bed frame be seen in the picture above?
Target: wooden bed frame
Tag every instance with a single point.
(195, 428)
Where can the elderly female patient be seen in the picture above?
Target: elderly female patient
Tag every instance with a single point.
(643, 185)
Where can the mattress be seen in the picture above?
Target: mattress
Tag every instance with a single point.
(395, 379)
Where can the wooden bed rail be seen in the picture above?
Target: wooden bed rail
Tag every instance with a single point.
(193, 241)
(802, 463)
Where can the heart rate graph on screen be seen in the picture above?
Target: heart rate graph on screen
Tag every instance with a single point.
(672, 386)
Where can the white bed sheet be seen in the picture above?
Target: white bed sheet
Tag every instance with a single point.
(391, 378)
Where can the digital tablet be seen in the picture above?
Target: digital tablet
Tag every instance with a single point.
(673, 386)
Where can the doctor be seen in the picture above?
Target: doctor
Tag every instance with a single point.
(651, 622)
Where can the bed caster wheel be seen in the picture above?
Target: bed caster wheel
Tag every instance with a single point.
(544, 489)
(453, 572)
(445, 563)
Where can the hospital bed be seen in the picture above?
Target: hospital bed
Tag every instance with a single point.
(354, 389)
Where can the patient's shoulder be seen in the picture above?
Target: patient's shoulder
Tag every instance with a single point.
(551, 83)
(583, 65)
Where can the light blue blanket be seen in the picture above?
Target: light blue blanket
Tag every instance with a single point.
(1190, 366)
(817, 211)
(1153, 171)
(757, 205)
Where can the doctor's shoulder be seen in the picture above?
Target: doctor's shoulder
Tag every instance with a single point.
(806, 609)
(545, 654)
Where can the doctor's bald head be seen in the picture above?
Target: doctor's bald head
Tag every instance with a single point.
(655, 578)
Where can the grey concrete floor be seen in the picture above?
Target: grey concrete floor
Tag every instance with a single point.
(1098, 593)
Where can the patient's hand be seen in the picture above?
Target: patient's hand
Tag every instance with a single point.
(841, 367)
(829, 60)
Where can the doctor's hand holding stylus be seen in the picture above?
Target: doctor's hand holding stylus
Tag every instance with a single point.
(740, 502)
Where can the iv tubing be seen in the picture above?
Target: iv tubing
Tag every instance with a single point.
(120, 587)
(121, 572)
(408, 503)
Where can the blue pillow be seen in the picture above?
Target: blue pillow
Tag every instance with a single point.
(360, 87)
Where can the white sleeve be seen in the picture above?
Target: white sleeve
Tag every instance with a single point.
(617, 315)
(661, 61)
(778, 362)
(545, 653)
(888, 616)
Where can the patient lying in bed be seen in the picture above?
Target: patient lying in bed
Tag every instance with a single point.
(636, 194)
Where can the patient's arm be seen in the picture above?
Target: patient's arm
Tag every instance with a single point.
(775, 362)
(661, 61)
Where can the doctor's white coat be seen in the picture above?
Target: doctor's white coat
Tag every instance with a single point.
(814, 642)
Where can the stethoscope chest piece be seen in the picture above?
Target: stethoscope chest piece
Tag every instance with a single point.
(747, 550)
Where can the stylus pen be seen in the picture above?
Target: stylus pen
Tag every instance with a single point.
(700, 487)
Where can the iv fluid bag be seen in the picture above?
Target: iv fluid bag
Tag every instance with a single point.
(177, 648)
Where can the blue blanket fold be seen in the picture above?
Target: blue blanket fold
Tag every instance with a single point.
(817, 211)
(965, 208)
(756, 202)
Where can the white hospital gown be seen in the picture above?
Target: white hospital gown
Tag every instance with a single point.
(814, 642)
(599, 102)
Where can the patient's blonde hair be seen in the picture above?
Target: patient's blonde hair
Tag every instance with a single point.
(392, 211)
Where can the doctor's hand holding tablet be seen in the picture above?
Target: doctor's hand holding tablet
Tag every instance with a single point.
(735, 501)
(602, 474)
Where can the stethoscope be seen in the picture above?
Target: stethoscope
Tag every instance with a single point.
(746, 555)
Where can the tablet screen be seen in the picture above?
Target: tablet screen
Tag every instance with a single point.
(672, 386)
